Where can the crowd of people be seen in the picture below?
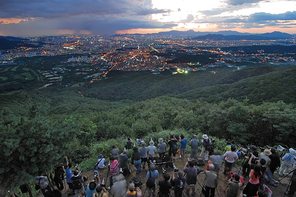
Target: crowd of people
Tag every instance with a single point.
(251, 179)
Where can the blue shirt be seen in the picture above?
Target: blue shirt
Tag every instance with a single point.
(154, 174)
(183, 143)
(68, 175)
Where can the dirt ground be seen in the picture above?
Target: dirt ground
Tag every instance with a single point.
(222, 183)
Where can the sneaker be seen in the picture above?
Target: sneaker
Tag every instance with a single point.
(276, 182)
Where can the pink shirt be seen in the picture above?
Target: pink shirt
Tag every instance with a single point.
(253, 179)
(114, 168)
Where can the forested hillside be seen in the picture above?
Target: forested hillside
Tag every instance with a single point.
(251, 106)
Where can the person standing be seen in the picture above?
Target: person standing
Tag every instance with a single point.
(178, 182)
(173, 146)
(118, 189)
(253, 184)
(164, 186)
(136, 160)
(206, 143)
(123, 162)
(287, 162)
(115, 152)
(191, 178)
(183, 143)
(234, 186)
(151, 176)
(292, 187)
(194, 146)
(151, 150)
(161, 148)
(211, 181)
(230, 158)
(143, 150)
(69, 175)
(113, 169)
(275, 160)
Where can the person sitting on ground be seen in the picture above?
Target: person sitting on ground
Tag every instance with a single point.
(129, 144)
(151, 150)
(161, 148)
(123, 162)
(153, 175)
(143, 150)
(211, 181)
(115, 152)
(133, 191)
(41, 181)
(136, 159)
(100, 192)
(101, 162)
(118, 188)
(194, 146)
(191, 177)
(173, 146)
(230, 158)
(234, 186)
(287, 162)
(178, 182)
(139, 140)
(164, 186)
(183, 143)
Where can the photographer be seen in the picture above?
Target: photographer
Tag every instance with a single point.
(206, 143)
(191, 177)
(287, 162)
(183, 143)
(164, 186)
(77, 183)
(194, 146)
(59, 176)
(133, 191)
(178, 182)
(234, 186)
(211, 181)
(246, 165)
(292, 187)
(173, 146)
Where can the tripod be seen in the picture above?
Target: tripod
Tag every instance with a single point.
(292, 183)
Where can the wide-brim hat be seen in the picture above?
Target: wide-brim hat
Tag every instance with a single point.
(267, 152)
(143, 143)
(151, 143)
(160, 140)
(292, 151)
(205, 136)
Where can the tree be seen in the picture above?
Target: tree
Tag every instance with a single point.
(31, 144)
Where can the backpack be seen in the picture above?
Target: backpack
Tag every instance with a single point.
(208, 146)
(76, 183)
(181, 184)
(150, 182)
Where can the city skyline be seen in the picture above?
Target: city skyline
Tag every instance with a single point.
(44, 18)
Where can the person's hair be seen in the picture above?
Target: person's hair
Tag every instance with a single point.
(262, 162)
(114, 146)
(232, 148)
(166, 176)
(112, 158)
(172, 136)
(182, 136)
(273, 151)
(257, 171)
(261, 193)
(76, 172)
(180, 174)
(190, 163)
(99, 189)
(70, 165)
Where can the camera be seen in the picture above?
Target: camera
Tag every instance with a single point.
(163, 170)
(136, 181)
(103, 182)
(175, 168)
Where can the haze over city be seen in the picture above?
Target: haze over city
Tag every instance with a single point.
(42, 18)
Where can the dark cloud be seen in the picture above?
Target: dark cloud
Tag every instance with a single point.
(262, 16)
(151, 11)
(95, 25)
(67, 8)
(241, 2)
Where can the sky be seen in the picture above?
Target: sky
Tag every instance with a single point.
(30, 18)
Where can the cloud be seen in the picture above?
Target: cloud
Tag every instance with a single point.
(151, 11)
(241, 2)
(189, 18)
(262, 16)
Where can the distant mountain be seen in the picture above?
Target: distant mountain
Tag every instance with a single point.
(9, 42)
(266, 36)
(220, 35)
